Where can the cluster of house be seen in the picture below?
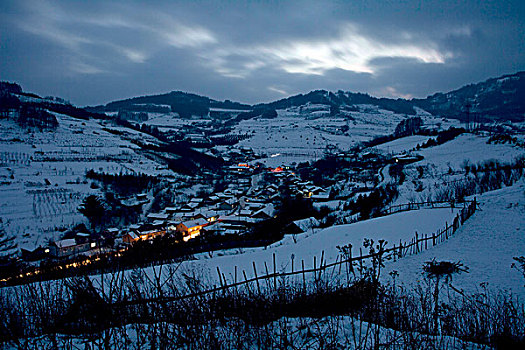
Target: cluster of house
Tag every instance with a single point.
(304, 188)
(230, 212)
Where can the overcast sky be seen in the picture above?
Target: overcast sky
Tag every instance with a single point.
(93, 52)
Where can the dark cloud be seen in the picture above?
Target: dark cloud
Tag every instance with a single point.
(97, 51)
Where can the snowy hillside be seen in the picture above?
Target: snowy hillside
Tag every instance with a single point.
(316, 243)
(42, 173)
(486, 245)
(305, 133)
(445, 164)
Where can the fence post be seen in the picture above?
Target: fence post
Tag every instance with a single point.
(361, 259)
(267, 274)
(321, 264)
(220, 276)
(394, 253)
(246, 281)
(304, 279)
(274, 273)
(256, 278)
(226, 287)
(235, 278)
(350, 259)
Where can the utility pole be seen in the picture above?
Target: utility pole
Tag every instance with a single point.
(467, 115)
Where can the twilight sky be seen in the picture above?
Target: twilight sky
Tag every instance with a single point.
(93, 52)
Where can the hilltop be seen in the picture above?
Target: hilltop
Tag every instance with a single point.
(494, 99)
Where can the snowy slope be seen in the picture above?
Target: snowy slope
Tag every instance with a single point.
(403, 144)
(42, 173)
(443, 164)
(469, 147)
(486, 244)
(393, 228)
(304, 133)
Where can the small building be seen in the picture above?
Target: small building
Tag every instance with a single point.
(82, 237)
(191, 229)
(407, 159)
(228, 204)
(158, 216)
(142, 197)
(111, 232)
(321, 196)
(130, 237)
(301, 226)
(30, 254)
(67, 247)
(245, 213)
(191, 206)
(261, 215)
(171, 210)
(196, 200)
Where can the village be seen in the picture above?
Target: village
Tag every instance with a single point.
(252, 196)
(230, 212)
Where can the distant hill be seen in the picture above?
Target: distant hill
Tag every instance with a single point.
(497, 98)
(28, 109)
(500, 98)
(341, 99)
(183, 103)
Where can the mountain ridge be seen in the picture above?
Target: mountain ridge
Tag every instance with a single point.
(499, 98)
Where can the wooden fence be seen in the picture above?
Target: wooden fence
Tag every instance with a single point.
(420, 205)
(416, 245)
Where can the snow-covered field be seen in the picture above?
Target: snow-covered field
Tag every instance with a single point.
(304, 247)
(42, 173)
(486, 244)
(468, 147)
(445, 163)
(403, 144)
(304, 133)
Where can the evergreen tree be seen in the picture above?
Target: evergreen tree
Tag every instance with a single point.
(94, 210)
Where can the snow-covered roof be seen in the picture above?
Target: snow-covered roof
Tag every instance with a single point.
(65, 243)
(148, 232)
(306, 224)
(192, 205)
(266, 211)
(322, 195)
(193, 223)
(132, 235)
(158, 216)
(237, 219)
(231, 201)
